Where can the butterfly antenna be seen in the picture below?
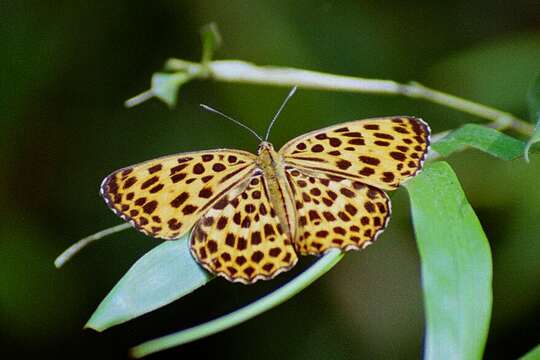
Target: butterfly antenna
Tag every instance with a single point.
(206, 107)
(291, 93)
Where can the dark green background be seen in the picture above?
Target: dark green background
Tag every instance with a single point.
(66, 68)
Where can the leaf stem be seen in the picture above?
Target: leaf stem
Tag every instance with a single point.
(75, 248)
(277, 297)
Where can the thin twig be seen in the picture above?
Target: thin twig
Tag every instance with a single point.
(75, 248)
(138, 99)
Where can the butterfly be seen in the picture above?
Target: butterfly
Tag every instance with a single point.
(251, 216)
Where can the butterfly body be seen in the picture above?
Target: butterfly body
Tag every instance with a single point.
(279, 192)
(252, 215)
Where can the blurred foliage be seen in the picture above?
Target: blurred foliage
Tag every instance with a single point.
(67, 67)
(534, 354)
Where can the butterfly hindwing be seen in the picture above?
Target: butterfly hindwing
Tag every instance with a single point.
(382, 152)
(164, 197)
(338, 213)
(240, 237)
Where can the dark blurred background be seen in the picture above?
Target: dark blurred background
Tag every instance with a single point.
(66, 68)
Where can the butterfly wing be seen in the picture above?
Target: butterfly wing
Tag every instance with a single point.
(240, 237)
(382, 152)
(338, 213)
(164, 197)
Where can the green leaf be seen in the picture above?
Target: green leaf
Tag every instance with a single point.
(533, 99)
(534, 354)
(456, 266)
(165, 86)
(162, 275)
(482, 138)
(211, 41)
(266, 303)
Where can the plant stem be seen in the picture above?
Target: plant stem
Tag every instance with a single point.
(236, 71)
(140, 98)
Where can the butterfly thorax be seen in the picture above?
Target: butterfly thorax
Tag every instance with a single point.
(279, 192)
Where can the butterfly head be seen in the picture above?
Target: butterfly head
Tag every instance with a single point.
(267, 156)
(265, 146)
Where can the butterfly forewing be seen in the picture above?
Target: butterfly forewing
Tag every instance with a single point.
(166, 196)
(382, 152)
(338, 213)
(241, 238)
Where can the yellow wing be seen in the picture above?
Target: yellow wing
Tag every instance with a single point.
(382, 152)
(164, 197)
(240, 237)
(342, 214)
